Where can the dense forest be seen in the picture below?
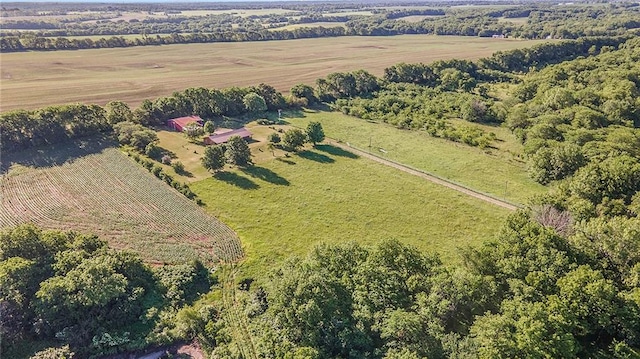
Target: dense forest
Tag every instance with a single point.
(71, 288)
(561, 279)
(542, 20)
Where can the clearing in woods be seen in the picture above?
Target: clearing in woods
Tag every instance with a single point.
(32, 80)
(91, 187)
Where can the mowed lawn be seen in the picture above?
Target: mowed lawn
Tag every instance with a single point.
(36, 79)
(287, 205)
(497, 172)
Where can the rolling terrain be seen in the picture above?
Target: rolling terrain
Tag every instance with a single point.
(34, 79)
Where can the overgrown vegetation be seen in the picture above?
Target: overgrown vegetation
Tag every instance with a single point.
(73, 289)
(531, 291)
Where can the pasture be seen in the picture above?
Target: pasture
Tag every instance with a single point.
(36, 79)
(309, 24)
(497, 171)
(286, 205)
(418, 18)
(94, 188)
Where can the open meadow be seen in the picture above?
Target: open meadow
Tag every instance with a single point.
(310, 24)
(91, 187)
(496, 171)
(286, 205)
(36, 79)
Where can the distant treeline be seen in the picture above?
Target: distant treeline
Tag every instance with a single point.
(38, 43)
(23, 129)
(569, 22)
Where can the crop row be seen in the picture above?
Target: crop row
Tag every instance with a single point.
(111, 196)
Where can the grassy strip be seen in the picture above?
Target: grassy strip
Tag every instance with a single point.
(497, 172)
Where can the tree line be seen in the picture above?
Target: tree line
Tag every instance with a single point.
(23, 129)
(570, 22)
(426, 97)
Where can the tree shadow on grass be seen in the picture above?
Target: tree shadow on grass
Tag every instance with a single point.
(336, 151)
(315, 156)
(265, 174)
(235, 179)
(185, 173)
(284, 160)
(57, 154)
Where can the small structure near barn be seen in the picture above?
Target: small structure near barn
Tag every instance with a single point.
(178, 124)
(223, 137)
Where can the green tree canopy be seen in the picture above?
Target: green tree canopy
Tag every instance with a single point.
(293, 139)
(254, 103)
(213, 158)
(237, 151)
(315, 133)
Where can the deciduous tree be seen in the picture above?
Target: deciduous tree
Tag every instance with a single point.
(237, 151)
(293, 139)
(254, 103)
(213, 159)
(315, 133)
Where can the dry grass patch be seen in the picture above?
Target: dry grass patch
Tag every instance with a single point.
(33, 79)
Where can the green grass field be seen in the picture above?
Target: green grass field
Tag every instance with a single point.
(91, 187)
(286, 205)
(418, 18)
(36, 79)
(310, 24)
(514, 20)
(497, 172)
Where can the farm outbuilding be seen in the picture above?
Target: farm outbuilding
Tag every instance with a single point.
(223, 137)
(178, 124)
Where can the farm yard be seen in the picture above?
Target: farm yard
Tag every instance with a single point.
(286, 203)
(33, 79)
(97, 189)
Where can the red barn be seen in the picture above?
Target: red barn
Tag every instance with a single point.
(180, 123)
(223, 137)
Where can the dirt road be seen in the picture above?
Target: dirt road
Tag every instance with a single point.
(426, 176)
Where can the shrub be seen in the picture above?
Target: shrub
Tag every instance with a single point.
(274, 138)
(152, 150)
(156, 171)
(178, 167)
